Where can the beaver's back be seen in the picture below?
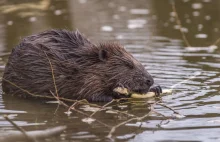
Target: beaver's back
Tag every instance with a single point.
(28, 66)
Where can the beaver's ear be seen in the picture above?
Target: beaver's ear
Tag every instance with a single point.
(103, 55)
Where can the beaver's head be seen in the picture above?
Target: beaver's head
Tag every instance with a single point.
(108, 66)
(121, 69)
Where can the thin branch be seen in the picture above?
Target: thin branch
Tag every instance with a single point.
(50, 97)
(168, 108)
(20, 129)
(39, 134)
(216, 42)
(102, 108)
(179, 24)
(113, 129)
(53, 77)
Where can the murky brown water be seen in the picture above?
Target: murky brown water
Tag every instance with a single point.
(147, 28)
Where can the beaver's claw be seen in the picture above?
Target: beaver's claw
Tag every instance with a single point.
(156, 89)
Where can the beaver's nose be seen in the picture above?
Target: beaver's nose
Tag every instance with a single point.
(149, 81)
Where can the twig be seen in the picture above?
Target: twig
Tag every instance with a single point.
(39, 134)
(49, 97)
(20, 129)
(123, 123)
(53, 77)
(191, 77)
(33, 95)
(168, 108)
(102, 108)
(129, 120)
(216, 42)
(58, 99)
(74, 104)
(179, 24)
(154, 111)
(73, 108)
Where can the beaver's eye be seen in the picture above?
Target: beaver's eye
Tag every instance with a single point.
(103, 55)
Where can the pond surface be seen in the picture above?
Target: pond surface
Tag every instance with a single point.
(148, 29)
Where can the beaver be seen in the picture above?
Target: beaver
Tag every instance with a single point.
(67, 64)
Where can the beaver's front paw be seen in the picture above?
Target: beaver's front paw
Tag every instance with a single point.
(156, 89)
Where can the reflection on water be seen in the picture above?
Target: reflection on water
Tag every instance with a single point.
(147, 28)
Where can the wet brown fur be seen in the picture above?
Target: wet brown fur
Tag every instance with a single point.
(82, 69)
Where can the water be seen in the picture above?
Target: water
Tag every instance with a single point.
(148, 29)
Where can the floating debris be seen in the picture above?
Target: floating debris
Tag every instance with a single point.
(88, 120)
(68, 113)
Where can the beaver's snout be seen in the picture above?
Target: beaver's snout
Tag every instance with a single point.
(140, 84)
